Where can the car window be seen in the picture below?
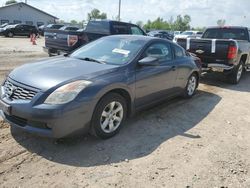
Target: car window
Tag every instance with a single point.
(161, 51)
(136, 31)
(120, 29)
(98, 27)
(179, 52)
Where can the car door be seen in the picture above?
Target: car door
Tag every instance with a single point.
(27, 30)
(18, 29)
(156, 82)
(183, 67)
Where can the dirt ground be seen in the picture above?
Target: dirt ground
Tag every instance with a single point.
(203, 142)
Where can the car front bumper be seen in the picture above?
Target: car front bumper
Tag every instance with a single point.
(53, 121)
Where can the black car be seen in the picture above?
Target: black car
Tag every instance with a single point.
(97, 87)
(161, 34)
(19, 30)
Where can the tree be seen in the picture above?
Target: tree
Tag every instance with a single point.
(96, 14)
(182, 23)
(221, 22)
(10, 2)
(159, 23)
(140, 23)
(74, 22)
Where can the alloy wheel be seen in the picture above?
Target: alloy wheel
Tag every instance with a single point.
(192, 83)
(111, 117)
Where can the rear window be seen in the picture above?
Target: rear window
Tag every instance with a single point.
(98, 27)
(226, 33)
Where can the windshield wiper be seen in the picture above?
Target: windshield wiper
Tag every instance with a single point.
(92, 60)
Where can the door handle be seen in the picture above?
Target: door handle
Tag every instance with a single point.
(173, 68)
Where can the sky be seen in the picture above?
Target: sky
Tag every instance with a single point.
(202, 12)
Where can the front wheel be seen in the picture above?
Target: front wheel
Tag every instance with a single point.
(191, 86)
(109, 116)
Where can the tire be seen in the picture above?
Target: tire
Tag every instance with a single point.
(191, 86)
(106, 122)
(235, 76)
(10, 34)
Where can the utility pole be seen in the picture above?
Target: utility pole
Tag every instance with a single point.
(26, 1)
(119, 13)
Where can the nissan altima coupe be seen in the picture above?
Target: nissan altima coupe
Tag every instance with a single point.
(97, 87)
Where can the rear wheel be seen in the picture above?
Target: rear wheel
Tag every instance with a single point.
(109, 116)
(191, 86)
(10, 34)
(236, 75)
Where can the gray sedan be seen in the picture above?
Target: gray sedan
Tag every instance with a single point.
(97, 87)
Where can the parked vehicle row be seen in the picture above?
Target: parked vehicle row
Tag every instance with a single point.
(18, 30)
(222, 49)
(116, 71)
(161, 34)
(11, 30)
(188, 34)
(95, 88)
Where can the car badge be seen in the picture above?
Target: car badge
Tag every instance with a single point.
(199, 51)
(10, 91)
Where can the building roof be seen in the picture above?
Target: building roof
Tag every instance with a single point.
(21, 3)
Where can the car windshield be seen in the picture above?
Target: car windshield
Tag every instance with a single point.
(187, 33)
(226, 33)
(111, 50)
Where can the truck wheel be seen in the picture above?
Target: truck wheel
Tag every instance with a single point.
(109, 116)
(236, 75)
(10, 34)
(191, 86)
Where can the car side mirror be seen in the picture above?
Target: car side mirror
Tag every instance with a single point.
(149, 61)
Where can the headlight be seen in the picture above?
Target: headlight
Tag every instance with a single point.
(67, 93)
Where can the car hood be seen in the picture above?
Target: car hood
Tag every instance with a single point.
(53, 71)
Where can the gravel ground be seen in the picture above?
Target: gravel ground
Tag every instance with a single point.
(201, 142)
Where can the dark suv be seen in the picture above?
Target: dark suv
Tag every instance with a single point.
(19, 30)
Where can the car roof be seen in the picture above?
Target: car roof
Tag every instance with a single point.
(228, 27)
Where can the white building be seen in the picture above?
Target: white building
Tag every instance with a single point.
(26, 14)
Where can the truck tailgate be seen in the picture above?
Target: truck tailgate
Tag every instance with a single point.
(57, 39)
(208, 50)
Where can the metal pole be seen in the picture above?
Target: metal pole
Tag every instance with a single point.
(26, 1)
(119, 13)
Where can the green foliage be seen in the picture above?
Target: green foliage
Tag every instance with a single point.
(74, 22)
(140, 23)
(96, 14)
(10, 2)
(181, 23)
(221, 22)
(202, 29)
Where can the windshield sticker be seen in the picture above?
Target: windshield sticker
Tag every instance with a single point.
(120, 51)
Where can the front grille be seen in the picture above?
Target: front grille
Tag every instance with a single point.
(13, 91)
